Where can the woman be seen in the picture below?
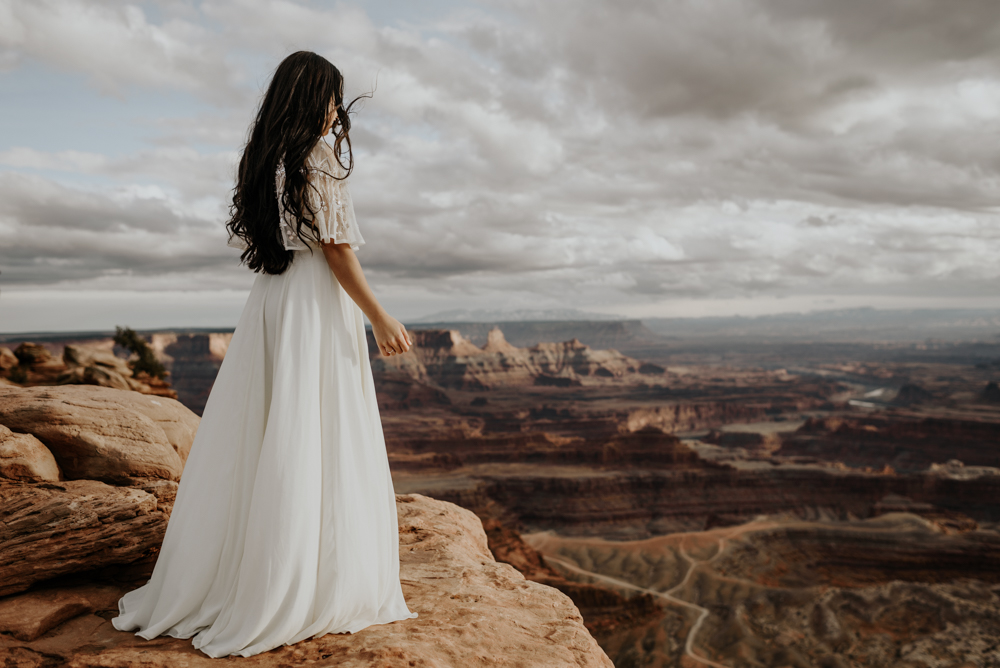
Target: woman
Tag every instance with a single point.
(284, 527)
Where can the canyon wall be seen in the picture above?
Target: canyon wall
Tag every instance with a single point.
(626, 505)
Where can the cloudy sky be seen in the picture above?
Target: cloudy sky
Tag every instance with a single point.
(646, 158)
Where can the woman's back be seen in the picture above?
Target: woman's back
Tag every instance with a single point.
(284, 526)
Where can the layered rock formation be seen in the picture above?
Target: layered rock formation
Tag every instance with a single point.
(905, 443)
(26, 459)
(101, 433)
(446, 359)
(56, 444)
(635, 503)
(74, 526)
(601, 334)
(94, 366)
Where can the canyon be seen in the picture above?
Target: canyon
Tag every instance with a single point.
(754, 505)
(708, 501)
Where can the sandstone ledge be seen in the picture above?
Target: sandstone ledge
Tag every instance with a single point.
(473, 611)
(49, 529)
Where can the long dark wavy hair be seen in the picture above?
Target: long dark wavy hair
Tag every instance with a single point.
(290, 120)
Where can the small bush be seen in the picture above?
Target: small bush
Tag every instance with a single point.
(147, 362)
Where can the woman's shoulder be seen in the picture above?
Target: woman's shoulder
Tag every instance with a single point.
(323, 158)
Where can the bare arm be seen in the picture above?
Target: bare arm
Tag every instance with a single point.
(390, 335)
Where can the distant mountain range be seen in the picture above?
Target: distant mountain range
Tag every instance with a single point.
(842, 325)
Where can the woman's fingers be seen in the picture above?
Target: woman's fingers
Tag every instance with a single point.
(399, 343)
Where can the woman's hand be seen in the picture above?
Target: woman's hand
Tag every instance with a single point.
(390, 335)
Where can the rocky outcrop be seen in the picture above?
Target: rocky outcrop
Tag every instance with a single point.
(92, 365)
(448, 360)
(631, 335)
(53, 529)
(472, 611)
(33, 364)
(31, 354)
(101, 433)
(8, 360)
(591, 435)
(95, 363)
(690, 415)
(28, 616)
(23, 457)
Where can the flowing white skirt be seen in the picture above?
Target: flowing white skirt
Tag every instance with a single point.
(284, 527)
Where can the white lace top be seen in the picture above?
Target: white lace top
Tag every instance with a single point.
(330, 199)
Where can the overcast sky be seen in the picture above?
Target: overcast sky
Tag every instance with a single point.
(660, 158)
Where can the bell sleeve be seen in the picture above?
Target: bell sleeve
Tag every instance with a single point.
(334, 219)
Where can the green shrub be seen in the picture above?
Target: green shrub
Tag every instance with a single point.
(147, 362)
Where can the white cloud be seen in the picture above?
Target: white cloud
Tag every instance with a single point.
(602, 154)
(116, 46)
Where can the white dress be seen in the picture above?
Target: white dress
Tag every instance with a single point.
(284, 526)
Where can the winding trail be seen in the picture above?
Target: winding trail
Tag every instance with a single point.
(668, 595)
(702, 612)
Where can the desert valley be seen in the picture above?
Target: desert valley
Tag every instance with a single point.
(728, 500)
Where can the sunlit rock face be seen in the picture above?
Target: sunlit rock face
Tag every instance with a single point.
(447, 359)
(88, 476)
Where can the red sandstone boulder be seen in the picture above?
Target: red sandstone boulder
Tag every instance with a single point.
(94, 365)
(8, 360)
(47, 529)
(29, 616)
(24, 458)
(30, 354)
(95, 375)
(101, 433)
